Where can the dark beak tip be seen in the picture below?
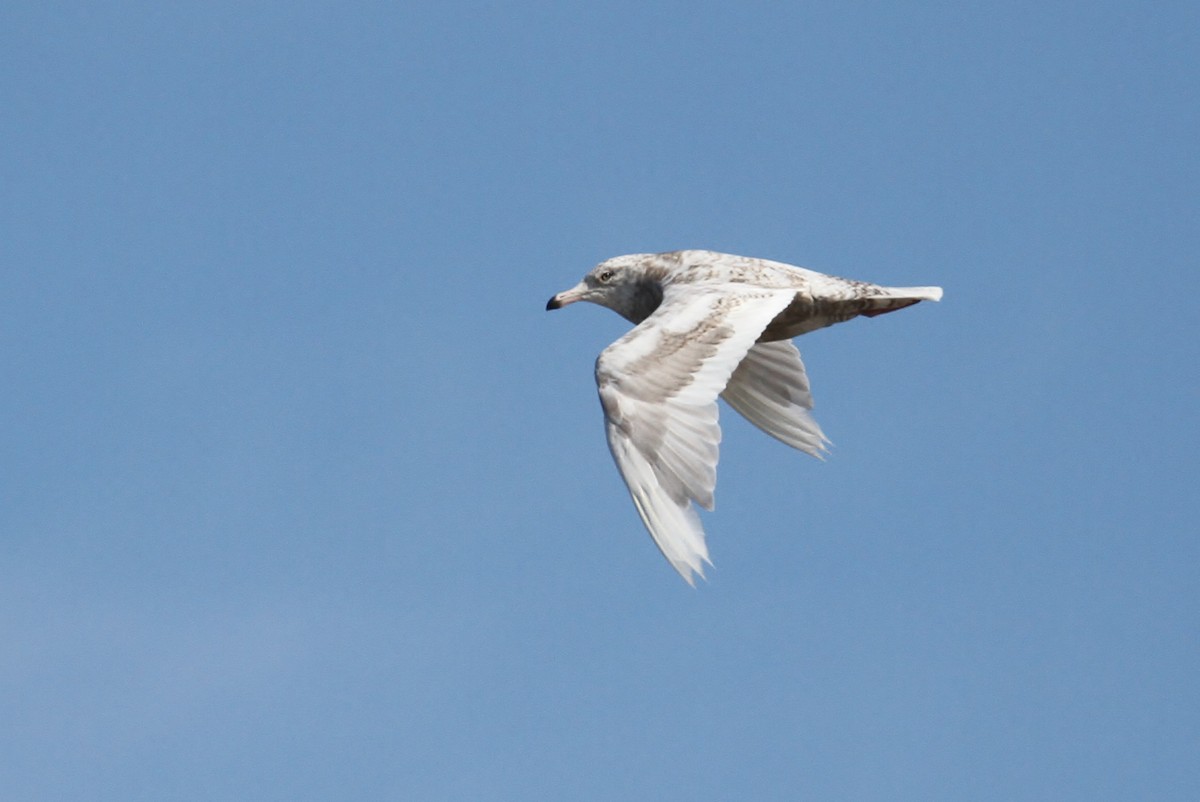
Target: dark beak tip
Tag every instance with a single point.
(553, 304)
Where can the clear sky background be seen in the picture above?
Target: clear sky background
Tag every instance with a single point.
(304, 496)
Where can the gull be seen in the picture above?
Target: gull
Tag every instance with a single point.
(709, 324)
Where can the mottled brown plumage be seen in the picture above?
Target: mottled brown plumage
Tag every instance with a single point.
(709, 324)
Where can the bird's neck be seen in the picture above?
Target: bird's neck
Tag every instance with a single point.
(646, 297)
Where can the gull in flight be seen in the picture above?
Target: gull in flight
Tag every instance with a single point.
(709, 324)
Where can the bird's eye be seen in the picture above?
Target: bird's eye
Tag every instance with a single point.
(606, 276)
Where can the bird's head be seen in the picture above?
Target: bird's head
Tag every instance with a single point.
(628, 285)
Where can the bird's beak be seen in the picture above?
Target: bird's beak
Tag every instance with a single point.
(570, 296)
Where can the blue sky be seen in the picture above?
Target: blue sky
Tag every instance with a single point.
(304, 496)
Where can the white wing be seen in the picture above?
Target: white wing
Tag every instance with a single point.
(658, 386)
(770, 389)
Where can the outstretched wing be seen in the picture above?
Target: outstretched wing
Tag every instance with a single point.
(658, 386)
(770, 389)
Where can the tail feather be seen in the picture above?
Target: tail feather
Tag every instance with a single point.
(917, 293)
(900, 297)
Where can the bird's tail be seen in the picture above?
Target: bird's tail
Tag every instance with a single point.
(899, 297)
(918, 293)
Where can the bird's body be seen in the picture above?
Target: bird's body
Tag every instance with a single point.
(709, 324)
